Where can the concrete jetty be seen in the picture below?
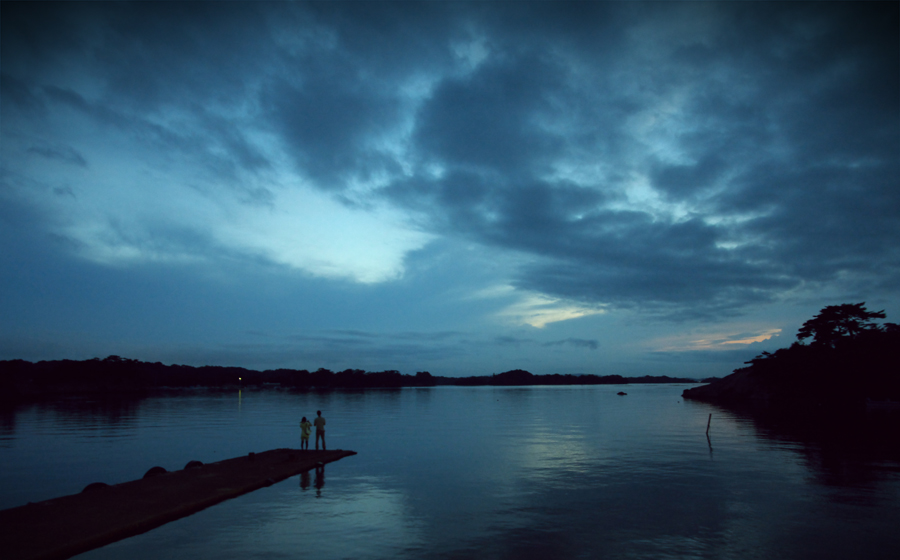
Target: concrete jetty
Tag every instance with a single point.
(101, 514)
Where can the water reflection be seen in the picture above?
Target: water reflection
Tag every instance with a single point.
(320, 480)
(850, 450)
(7, 424)
(112, 410)
(319, 483)
(508, 473)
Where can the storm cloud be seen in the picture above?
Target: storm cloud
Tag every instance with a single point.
(681, 161)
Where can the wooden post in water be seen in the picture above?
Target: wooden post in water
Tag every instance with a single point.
(708, 422)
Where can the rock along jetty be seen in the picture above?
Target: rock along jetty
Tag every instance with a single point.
(102, 514)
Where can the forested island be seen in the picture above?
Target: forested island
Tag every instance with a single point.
(850, 362)
(23, 380)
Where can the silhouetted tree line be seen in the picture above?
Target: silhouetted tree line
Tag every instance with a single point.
(115, 374)
(849, 359)
(522, 377)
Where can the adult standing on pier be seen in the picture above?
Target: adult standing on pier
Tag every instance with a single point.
(319, 423)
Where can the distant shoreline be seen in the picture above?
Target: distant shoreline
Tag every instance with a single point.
(23, 380)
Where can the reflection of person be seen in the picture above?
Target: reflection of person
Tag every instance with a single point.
(320, 479)
(304, 480)
(320, 429)
(305, 429)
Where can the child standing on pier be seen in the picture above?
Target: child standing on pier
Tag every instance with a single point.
(305, 429)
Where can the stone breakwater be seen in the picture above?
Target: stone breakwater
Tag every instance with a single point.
(102, 514)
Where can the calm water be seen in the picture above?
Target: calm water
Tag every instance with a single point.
(542, 472)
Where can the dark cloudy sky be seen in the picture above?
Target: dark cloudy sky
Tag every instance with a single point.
(464, 188)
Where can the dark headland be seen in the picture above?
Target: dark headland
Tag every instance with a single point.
(103, 514)
(851, 363)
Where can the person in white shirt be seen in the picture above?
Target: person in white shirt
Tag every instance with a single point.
(319, 423)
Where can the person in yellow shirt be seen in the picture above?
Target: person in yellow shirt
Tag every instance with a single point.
(305, 429)
(320, 429)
